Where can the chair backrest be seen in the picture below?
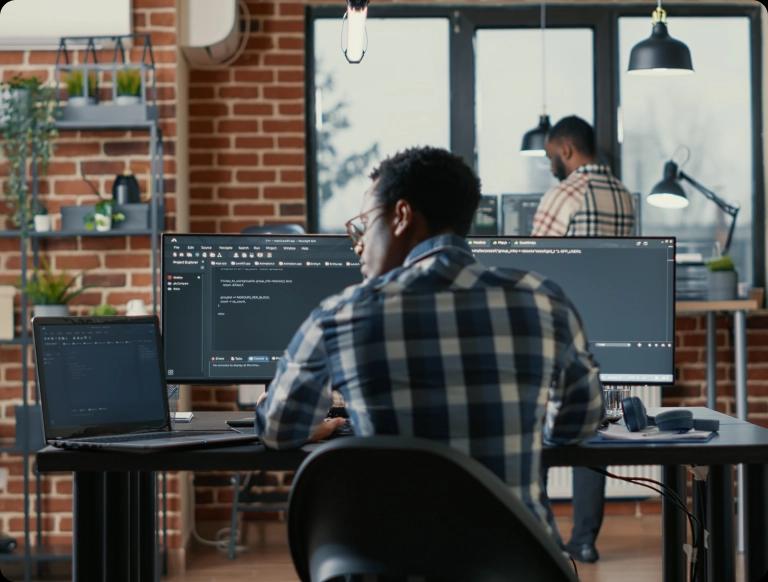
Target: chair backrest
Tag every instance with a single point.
(282, 228)
(412, 508)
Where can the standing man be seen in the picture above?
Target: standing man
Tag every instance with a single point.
(588, 201)
(432, 344)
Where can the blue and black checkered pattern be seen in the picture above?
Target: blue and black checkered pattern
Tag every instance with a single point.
(444, 348)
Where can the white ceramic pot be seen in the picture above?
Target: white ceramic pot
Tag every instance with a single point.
(80, 101)
(102, 222)
(42, 222)
(128, 100)
(50, 311)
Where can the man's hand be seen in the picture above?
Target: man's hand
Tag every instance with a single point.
(262, 396)
(326, 429)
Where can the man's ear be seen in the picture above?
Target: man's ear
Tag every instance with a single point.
(402, 217)
(566, 150)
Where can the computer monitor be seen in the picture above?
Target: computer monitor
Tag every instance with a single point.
(518, 210)
(232, 303)
(623, 288)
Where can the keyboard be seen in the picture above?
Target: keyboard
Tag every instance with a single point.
(123, 438)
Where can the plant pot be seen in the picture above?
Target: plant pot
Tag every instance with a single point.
(722, 285)
(102, 222)
(128, 100)
(80, 101)
(42, 222)
(50, 311)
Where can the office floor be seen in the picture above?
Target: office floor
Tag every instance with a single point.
(630, 550)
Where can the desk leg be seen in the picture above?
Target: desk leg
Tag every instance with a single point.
(145, 540)
(740, 365)
(88, 526)
(673, 531)
(711, 360)
(116, 519)
(721, 566)
(756, 512)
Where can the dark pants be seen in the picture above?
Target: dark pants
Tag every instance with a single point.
(588, 505)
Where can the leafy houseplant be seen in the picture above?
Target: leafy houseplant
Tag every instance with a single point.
(29, 113)
(47, 290)
(74, 82)
(103, 310)
(42, 219)
(722, 279)
(128, 87)
(103, 216)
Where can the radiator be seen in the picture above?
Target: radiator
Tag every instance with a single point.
(559, 485)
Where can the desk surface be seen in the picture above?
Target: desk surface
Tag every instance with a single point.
(737, 442)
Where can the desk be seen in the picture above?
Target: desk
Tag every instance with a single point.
(739, 309)
(114, 540)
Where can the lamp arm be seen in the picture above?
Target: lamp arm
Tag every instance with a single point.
(730, 209)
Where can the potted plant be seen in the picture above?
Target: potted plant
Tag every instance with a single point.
(29, 113)
(75, 88)
(722, 279)
(128, 87)
(103, 310)
(50, 292)
(41, 218)
(103, 216)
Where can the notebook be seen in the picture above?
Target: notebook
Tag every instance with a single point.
(101, 386)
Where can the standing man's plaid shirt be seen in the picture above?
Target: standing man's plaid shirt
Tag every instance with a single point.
(589, 202)
(446, 349)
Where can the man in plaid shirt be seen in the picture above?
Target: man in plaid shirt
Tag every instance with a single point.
(589, 201)
(433, 344)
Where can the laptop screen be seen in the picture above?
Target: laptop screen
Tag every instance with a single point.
(99, 375)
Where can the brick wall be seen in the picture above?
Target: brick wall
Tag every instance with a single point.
(246, 139)
(118, 267)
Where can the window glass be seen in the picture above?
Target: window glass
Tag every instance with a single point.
(508, 71)
(709, 113)
(397, 97)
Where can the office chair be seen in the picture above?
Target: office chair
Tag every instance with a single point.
(412, 509)
(281, 228)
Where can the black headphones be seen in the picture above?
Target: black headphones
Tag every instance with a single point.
(679, 419)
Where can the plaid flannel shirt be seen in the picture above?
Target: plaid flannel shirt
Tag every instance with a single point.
(444, 348)
(589, 202)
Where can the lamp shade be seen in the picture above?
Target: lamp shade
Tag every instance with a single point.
(534, 140)
(668, 193)
(660, 54)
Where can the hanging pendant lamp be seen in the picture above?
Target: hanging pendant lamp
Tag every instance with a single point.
(660, 54)
(534, 139)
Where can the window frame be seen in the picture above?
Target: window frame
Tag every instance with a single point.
(604, 21)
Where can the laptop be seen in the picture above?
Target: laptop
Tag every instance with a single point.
(101, 387)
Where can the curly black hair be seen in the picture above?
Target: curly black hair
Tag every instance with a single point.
(437, 183)
(578, 131)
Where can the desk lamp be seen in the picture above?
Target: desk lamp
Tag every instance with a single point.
(669, 194)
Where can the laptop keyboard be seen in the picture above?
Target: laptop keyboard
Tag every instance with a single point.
(150, 436)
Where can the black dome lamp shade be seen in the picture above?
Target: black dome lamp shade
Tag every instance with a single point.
(668, 193)
(660, 54)
(534, 139)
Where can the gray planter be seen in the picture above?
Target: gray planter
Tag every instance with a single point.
(136, 216)
(50, 311)
(722, 285)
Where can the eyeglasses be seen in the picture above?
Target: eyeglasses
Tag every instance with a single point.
(357, 225)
